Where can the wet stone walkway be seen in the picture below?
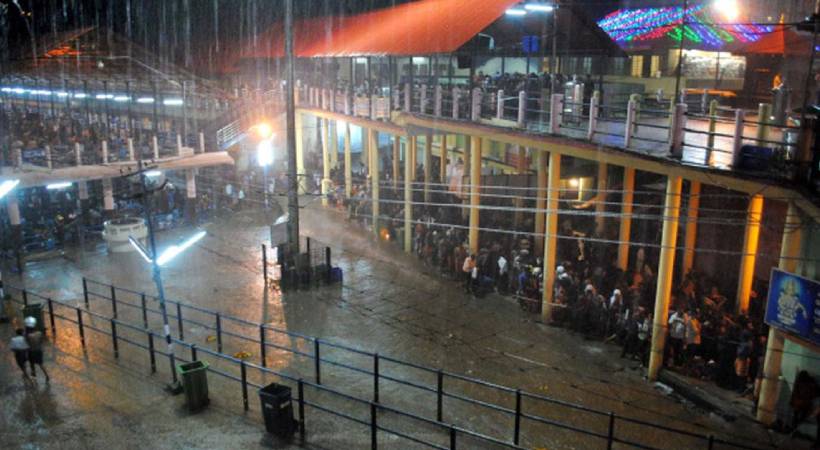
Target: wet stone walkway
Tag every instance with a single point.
(389, 305)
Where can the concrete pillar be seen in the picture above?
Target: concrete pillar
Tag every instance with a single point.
(625, 231)
(13, 207)
(108, 198)
(408, 196)
(551, 231)
(78, 154)
(691, 227)
(105, 152)
(428, 162)
(600, 204)
(130, 143)
(324, 125)
(540, 200)
(155, 146)
(300, 156)
(190, 195)
(747, 260)
(396, 151)
(179, 144)
(475, 190)
(373, 144)
(49, 162)
(520, 169)
(348, 163)
(769, 389)
(669, 238)
(334, 145)
(201, 142)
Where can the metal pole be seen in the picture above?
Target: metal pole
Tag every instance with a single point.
(554, 57)
(157, 275)
(290, 120)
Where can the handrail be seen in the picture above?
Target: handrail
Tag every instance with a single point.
(322, 342)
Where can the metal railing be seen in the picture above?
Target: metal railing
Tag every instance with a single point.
(515, 404)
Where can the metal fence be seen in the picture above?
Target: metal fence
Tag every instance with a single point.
(508, 416)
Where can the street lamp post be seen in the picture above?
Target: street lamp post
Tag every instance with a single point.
(174, 387)
(290, 120)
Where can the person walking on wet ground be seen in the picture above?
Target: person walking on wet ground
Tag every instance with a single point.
(34, 339)
(20, 348)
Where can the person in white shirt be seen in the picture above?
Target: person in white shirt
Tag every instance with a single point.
(693, 339)
(677, 334)
(20, 347)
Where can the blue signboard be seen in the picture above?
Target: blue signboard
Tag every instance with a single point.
(793, 305)
(530, 44)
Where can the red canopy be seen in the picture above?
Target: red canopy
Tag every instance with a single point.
(782, 41)
(416, 28)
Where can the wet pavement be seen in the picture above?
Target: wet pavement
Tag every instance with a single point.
(388, 304)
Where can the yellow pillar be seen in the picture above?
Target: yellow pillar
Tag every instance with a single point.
(408, 196)
(300, 156)
(541, 200)
(769, 392)
(373, 144)
(325, 127)
(551, 231)
(411, 156)
(520, 168)
(625, 231)
(691, 227)
(396, 148)
(442, 168)
(348, 163)
(600, 204)
(334, 145)
(747, 260)
(428, 162)
(475, 190)
(666, 266)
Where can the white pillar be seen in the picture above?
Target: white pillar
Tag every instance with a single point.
(105, 152)
(594, 107)
(190, 183)
(82, 190)
(13, 208)
(78, 154)
(201, 142)
(407, 96)
(108, 194)
(456, 98)
(155, 145)
(48, 157)
(522, 108)
(131, 150)
(631, 109)
(499, 104)
(438, 100)
(740, 117)
(423, 103)
(179, 144)
(676, 135)
(556, 110)
(475, 105)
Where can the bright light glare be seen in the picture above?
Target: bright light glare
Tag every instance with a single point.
(57, 186)
(540, 7)
(728, 8)
(7, 186)
(140, 249)
(121, 98)
(18, 90)
(103, 96)
(282, 219)
(80, 95)
(62, 94)
(516, 12)
(174, 250)
(5, 89)
(153, 173)
(574, 182)
(172, 102)
(145, 100)
(264, 152)
(263, 130)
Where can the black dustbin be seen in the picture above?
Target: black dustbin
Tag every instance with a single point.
(35, 310)
(277, 409)
(195, 384)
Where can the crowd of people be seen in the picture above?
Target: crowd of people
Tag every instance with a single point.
(707, 338)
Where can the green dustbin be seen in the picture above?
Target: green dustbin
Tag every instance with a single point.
(195, 384)
(35, 310)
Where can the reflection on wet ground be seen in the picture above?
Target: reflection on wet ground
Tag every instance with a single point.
(389, 305)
